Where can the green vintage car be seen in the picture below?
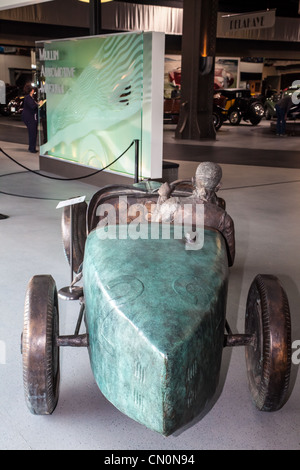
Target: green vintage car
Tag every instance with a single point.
(270, 103)
(153, 299)
(269, 106)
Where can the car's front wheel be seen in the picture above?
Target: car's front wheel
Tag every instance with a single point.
(268, 358)
(234, 117)
(255, 120)
(39, 347)
(256, 113)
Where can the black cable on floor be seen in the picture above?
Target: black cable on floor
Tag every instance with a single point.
(30, 197)
(98, 171)
(14, 173)
(260, 185)
(66, 179)
(21, 195)
(223, 189)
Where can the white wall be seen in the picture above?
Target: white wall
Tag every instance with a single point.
(12, 61)
(251, 67)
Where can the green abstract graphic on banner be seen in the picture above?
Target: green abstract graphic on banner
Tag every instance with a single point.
(99, 97)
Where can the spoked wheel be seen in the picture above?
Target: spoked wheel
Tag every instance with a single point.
(256, 113)
(75, 235)
(217, 120)
(234, 117)
(39, 349)
(268, 358)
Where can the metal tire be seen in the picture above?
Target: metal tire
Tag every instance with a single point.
(40, 352)
(268, 360)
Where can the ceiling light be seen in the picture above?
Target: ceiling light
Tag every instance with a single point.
(102, 1)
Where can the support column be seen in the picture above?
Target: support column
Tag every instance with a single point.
(197, 70)
(95, 17)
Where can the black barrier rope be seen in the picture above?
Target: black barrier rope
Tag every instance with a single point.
(67, 179)
(23, 196)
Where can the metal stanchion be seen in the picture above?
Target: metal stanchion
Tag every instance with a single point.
(136, 172)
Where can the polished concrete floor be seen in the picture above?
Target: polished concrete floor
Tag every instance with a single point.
(264, 202)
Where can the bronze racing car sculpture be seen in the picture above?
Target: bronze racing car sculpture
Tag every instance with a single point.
(155, 307)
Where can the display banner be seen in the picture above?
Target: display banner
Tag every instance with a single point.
(234, 23)
(100, 94)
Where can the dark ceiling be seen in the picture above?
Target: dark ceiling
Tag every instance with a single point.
(23, 34)
(283, 8)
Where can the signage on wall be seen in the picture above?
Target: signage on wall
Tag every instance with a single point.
(247, 21)
(101, 94)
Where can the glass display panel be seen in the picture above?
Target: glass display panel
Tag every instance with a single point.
(97, 97)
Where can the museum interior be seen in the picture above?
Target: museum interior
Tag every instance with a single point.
(136, 105)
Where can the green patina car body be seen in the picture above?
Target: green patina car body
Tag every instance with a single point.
(155, 315)
(154, 303)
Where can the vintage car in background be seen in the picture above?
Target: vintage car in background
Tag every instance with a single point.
(239, 104)
(294, 112)
(270, 103)
(219, 115)
(269, 106)
(172, 101)
(15, 102)
(232, 104)
(172, 110)
(11, 92)
(15, 106)
(154, 308)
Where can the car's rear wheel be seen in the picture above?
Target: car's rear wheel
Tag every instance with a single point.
(256, 113)
(255, 120)
(38, 344)
(268, 359)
